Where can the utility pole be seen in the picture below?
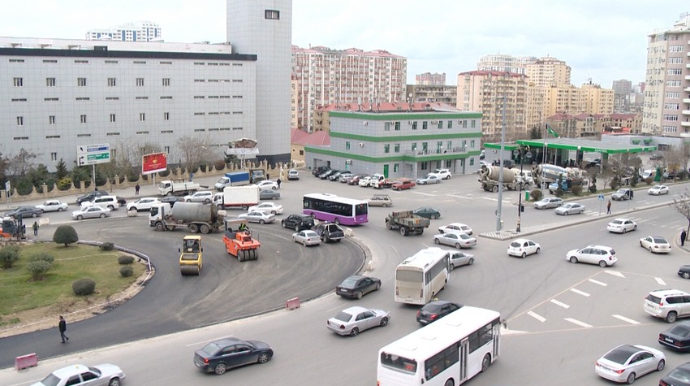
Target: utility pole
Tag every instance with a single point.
(499, 223)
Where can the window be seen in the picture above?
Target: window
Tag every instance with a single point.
(142, 117)
(347, 145)
(671, 106)
(271, 14)
(413, 146)
(18, 99)
(20, 121)
(140, 82)
(82, 118)
(449, 145)
(81, 61)
(396, 148)
(474, 124)
(472, 142)
(397, 126)
(18, 82)
(112, 82)
(50, 82)
(112, 98)
(396, 167)
(81, 82)
(440, 124)
(112, 117)
(414, 125)
(670, 117)
(53, 156)
(50, 99)
(166, 116)
(139, 62)
(166, 149)
(472, 161)
(674, 71)
(166, 81)
(673, 95)
(387, 148)
(424, 125)
(51, 119)
(450, 124)
(424, 165)
(464, 123)
(387, 126)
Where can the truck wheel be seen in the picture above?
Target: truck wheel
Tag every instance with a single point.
(494, 189)
(193, 228)
(205, 229)
(404, 231)
(160, 227)
(389, 226)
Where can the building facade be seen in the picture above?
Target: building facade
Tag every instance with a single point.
(264, 28)
(548, 72)
(429, 79)
(667, 81)
(622, 90)
(504, 63)
(594, 125)
(327, 76)
(140, 31)
(60, 94)
(440, 94)
(400, 144)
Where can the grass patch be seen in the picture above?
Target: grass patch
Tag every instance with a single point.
(20, 293)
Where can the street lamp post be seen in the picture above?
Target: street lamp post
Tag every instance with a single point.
(522, 183)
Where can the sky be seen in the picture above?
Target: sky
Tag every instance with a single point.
(601, 40)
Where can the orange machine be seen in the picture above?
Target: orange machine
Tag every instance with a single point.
(239, 241)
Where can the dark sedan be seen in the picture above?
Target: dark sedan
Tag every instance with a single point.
(357, 286)
(427, 212)
(224, 354)
(684, 271)
(24, 212)
(676, 337)
(435, 310)
(680, 376)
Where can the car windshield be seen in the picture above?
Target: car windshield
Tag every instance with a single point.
(50, 380)
(343, 316)
(433, 307)
(616, 222)
(681, 375)
(680, 330)
(210, 349)
(515, 244)
(660, 240)
(621, 354)
(349, 282)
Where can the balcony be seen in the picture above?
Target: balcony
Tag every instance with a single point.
(685, 123)
(686, 112)
(686, 100)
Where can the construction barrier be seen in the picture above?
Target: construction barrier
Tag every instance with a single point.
(291, 304)
(24, 361)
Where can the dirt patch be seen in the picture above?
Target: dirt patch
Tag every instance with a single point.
(47, 317)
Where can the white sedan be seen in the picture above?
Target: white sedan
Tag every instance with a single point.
(570, 208)
(627, 362)
(655, 244)
(100, 375)
(260, 217)
(523, 247)
(657, 190)
(91, 212)
(52, 206)
(457, 240)
(621, 225)
(456, 227)
(267, 184)
(267, 207)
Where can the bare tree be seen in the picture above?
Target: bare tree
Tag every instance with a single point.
(193, 151)
(681, 203)
(21, 163)
(677, 159)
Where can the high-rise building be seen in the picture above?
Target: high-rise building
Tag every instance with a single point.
(503, 62)
(140, 31)
(429, 79)
(442, 94)
(667, 82)
(547, 72)
(621, 94)
(327, 76)
(264, 28)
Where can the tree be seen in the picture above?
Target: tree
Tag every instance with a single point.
(65, 234)
(21, 163)
(4, 165)
(676, 159)
(534, 133)
(61, 169)
(194, 151)
(681, 203)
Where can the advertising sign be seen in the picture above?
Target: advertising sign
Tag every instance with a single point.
(154, 163)
(93, 154)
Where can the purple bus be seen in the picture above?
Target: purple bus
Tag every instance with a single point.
(332, 208)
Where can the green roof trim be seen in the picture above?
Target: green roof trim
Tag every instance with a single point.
(391, 158)
(371, 138)
(574, 144)
(404, 116)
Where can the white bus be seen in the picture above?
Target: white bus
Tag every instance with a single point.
(447, 352)
(420, 277)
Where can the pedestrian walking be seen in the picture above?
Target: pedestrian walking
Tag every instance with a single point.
(35, 228)
(683, 235)
(136, 189)
(62, 326)
(608, 207)
(631, 194)
(278, 182)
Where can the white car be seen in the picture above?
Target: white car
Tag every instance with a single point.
(110, 202)
(456, 227)
(364, 181)
(621, 225)
(306, 238)
(457, 240)
(523, 247)
(655, 244)
(570, 208)
(657, 190)
(429, 179)
(205, 196)
(144, 203)
(94, 211)
(267, 207)
(443, 174)
(458, 259)
(627, 362)
(267, 184)
(593, 254)
(293, 174)
(260, 217)
(52, 206)
(100, 375)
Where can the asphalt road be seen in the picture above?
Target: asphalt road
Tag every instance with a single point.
(604, 306)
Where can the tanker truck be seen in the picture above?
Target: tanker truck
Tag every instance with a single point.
(196, 216)
(489, 176)
(546, 173)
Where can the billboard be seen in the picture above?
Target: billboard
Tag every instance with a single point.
(93, 154)
(154, 163)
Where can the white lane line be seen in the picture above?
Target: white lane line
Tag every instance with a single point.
(660, 281)
(456, 196)
(598, 282)
(614, 273)
(537, 316)
(425, 194)
(579, 323)
(623, 318)
(490, 199)
(556, 302)
(577, 291)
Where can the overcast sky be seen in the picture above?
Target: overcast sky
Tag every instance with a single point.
(603, 40)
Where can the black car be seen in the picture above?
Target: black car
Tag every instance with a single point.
(427, 212)
(656, 157)
(224, 354)
(317, 171)
(327, 173)
(336, 175)
(680, 376)
(435, 310)
(298, 222)
(24, 212)
(91, 195)
(357, 286)
(329, 232)
(171, 200)
(676, 337)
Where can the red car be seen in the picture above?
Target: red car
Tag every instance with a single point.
(402, 184)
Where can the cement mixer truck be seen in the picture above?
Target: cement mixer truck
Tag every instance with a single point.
(196, 216)
(489, 176)
(546, 173)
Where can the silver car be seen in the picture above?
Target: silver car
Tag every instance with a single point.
(306, 238)
(570, 208)
(457, 240)
(100, 375)
(351, 321)
(621, 225)
(430, 179)
(52, 206)
(458, 259)
(205, 196)
(91, 212)
(260, 217)
(548, 202)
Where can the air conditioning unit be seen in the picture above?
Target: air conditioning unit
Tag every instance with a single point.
(365, 123)
(434, 122)
(361, 144)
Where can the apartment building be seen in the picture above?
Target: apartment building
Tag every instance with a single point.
(429, 79)
(594, 125)
(667, 81)
(548, 72)
(432, 93)
(495, 94)
(622, 90)
(327, 76)
(504, 63)
(140, 31)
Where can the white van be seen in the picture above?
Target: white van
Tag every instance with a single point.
(644, 174)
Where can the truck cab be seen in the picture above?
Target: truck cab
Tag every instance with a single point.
(191, 255)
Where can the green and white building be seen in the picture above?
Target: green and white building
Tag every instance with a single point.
(401, 143)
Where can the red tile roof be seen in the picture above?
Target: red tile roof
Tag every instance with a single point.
(318, 138)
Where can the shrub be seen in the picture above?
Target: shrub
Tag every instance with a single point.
(124, 260)
(42, 257)
(535, 195)
(107, 246)
(592, 188)
(83, 287)
(559, 192)
(614, 184)
(126, 271)
(65, 234)
(219, 165)
(8, 256)
(577, 190)
(648, 180)
(38, 268)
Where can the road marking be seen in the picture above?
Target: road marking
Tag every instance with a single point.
(577, 291)
(623, 318)
(597, 282)
(614, 273)
(425, 194)
(556, 302)
(579, 323)
(536, 316)
(490, 199)
(660, 281)
(456, 196)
